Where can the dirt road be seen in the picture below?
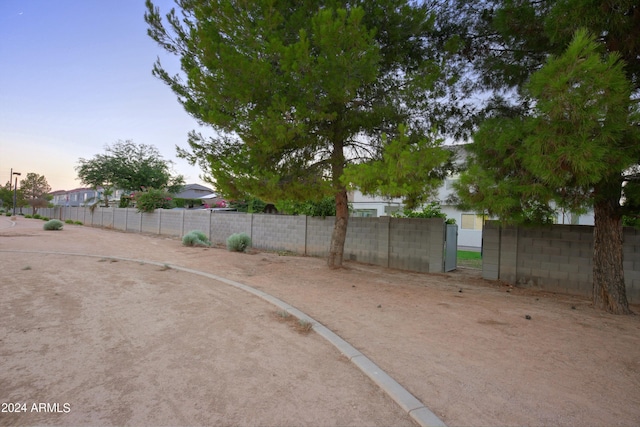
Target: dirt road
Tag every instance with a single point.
(140, 344)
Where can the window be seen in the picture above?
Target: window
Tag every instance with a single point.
(472, 221)
(391, 209)
(365, 213)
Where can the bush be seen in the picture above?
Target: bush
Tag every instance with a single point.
(53, 224)
(195, 238)
(37, 216)
(78, 223)
(28, 216)
(238, 242)
(68, 221)
(430, 210)
(44, 218)
(153, 199)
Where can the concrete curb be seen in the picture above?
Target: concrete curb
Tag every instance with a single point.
(12, 224)
(407, 401)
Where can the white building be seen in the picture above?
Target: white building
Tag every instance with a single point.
(469, 223)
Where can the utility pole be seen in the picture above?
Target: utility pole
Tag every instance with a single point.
(15, 192)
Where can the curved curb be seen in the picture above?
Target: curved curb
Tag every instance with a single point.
(13, 224)
(407, 401)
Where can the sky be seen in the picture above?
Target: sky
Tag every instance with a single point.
(75, 76)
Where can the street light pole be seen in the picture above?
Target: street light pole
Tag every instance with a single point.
(15, 192)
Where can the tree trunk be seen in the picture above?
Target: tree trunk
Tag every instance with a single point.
(339, 235)
(609, 291)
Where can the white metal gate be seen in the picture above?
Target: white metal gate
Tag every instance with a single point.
(450, 247)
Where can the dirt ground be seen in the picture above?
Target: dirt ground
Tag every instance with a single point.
(114, 343)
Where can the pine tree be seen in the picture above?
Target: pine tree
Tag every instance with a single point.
(562, 129)
(297, 92)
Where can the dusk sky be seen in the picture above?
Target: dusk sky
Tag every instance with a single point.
(75, 75)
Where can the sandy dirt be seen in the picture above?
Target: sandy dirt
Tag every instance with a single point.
(139, 344)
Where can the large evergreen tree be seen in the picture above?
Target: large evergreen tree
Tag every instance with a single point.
(567, 133)
(299, 92)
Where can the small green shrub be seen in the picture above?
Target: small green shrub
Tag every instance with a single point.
(195, 238)
(78, 223)
(28, 216)
(68, 221)
(238, 242)
(37, 216)
(8, 214)
(53, 224)
(45, 218)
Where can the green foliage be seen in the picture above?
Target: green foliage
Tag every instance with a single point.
(53, 224)
(411, 167)
(28, 216)
(577, 138)
(238, 242)
(34, 189)
(185, 203)
(249, 204)
(125, 201)
(6, 195)
(37, 216)
(44, 218)
(152, 199)
(195, 238)
(295, 91)
(469, 259)
(430, 210)
(78, 223)
(321, 208)
(128, 166)
(68, 221)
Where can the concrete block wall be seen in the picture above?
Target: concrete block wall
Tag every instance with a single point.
(508, 253)
(318, 238)
(631, 254)
(224, 224)
(120, 219)
(199, 220)
(279, 232)
(556, 258)
(150, 222)
(407, 244)
(363, 243)
(171, 222)
(417, 244)
(491, 250)
(134, 220)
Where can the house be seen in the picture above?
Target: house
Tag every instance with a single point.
(82, 196)
(194, 191)
(205, 194)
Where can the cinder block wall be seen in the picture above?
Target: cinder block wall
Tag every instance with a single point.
(134, 220)
(198, 220)
(363, 241)
(556, 258)
(406, 244)
(416, 244)
(318, 237)
(150, 222)
(491, 250)
(171, 222)
(224, 224)
(631, 263)
(279, 232)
